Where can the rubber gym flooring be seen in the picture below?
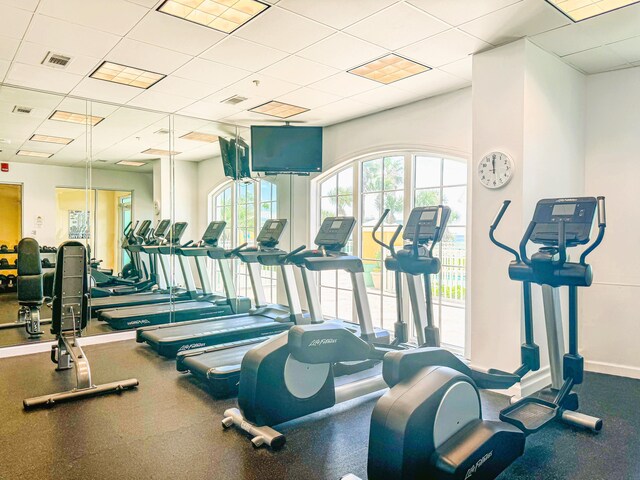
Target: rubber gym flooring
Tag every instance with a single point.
(170, 429)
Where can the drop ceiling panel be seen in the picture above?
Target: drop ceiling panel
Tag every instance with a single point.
(335, 13)
(147, 57)
(525, 18)
(105, 91)
(446, 47)
(70, 39)
(8, 47)
(209, 110)
(267, 88)
(431, 83)
(308, 98)
(4, 68)
(212, 73)
(627, 49)
(42, 78)
(61, 129)
(114, 16)
(14, 21)
(281, 29)
(29, 98)
(183, 87)
(29, 5)
(244, 54)
(40, 147)
(456, 12)
(78, 105)
(34, 53)
(386, 96)
(146, 3)
(345, 84)
(299, 70)
(340, 111)
(160, 101)
(397, 26)
(175, 33)
(462, 68)
(342, 51)
(595, 60)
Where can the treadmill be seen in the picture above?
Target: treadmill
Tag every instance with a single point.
(141, 298)
(219, 366)
(196, 304)
(264, 320)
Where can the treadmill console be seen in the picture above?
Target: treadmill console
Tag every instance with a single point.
(213, 233)
(576, 213)
(334, 232)
(176, 232)
(162, 228)
(271, 232)
(427, 217)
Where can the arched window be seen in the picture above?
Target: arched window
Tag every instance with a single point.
(364, 188)
(237, 204)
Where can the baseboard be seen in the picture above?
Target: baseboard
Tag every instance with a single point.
(41, 347)
(612, 369)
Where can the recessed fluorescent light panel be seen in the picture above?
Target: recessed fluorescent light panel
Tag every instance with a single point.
(75, 118)
(389, 69)
(27, 153)
(279, 109)
(200, 137)
(223, 15)
(578, 10)
(129, 163)
(157, 151)
(134, 77)
(50, 139)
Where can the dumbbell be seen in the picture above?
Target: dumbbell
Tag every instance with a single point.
(46, 263)
(4, 263)
(11, 281)
(4, 249)
(15, 248)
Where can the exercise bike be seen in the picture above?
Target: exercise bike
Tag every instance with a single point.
(429, 424)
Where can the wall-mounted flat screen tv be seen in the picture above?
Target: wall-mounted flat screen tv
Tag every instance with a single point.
(286, 149)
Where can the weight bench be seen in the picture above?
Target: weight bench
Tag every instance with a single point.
(70, 317)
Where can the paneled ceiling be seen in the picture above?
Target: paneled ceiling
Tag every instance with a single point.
(296, 51)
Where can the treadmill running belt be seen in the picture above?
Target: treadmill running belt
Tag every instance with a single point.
(130, 317)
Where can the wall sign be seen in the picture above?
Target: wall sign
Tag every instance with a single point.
(78, 224)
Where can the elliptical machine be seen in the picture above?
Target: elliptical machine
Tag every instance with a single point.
(430, 425)
(293, 374)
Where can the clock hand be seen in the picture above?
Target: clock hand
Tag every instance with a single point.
(493, 163)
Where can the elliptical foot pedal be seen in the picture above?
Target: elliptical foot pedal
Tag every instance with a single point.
(530, 414)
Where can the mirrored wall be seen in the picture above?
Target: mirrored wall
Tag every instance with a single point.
(162, 202)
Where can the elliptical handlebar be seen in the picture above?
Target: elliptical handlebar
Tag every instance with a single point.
(374, 232)
(494, 225)
(602, 225)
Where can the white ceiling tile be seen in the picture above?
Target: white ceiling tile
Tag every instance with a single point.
(386, 96)
(308, 98)
(18, 96)
(106, 91)
(114, 16)
(456, 12)
(4, 68)
(628, 49)
(267, 88)
(184, 88)
(397, 26)
(69, 39)
(244, 54)
(61, 129)
(443, 48)
(568, 39)
(175, 33)
(461, 68)
(342, 51)
(345, 84)
(147, 57)
(283, 30)
(339, 111)
(335, 13)
(160, 101)
(299, 70)
(8, 47)
(146, 3)
(79, 105)
(34, 53)
(595, 60)
(43, 78)
(431, 83)
(247, 118)
(209, 110)
(212, 73)
(23, 4)
(525, 18)
(14, 21)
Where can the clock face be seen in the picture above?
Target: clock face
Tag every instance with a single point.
(495, 170)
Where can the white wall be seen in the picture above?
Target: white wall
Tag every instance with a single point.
(39, 199)
(610, 321)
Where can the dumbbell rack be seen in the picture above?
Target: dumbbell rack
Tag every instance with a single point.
(12, 269)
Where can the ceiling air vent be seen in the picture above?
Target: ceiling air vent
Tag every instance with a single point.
(162, 131)
(22, 110)
(236, 99)
(56, 60)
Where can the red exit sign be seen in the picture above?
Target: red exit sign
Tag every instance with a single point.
(4, 167)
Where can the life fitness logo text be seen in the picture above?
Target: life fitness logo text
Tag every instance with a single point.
(323, 341)
(478, 464)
